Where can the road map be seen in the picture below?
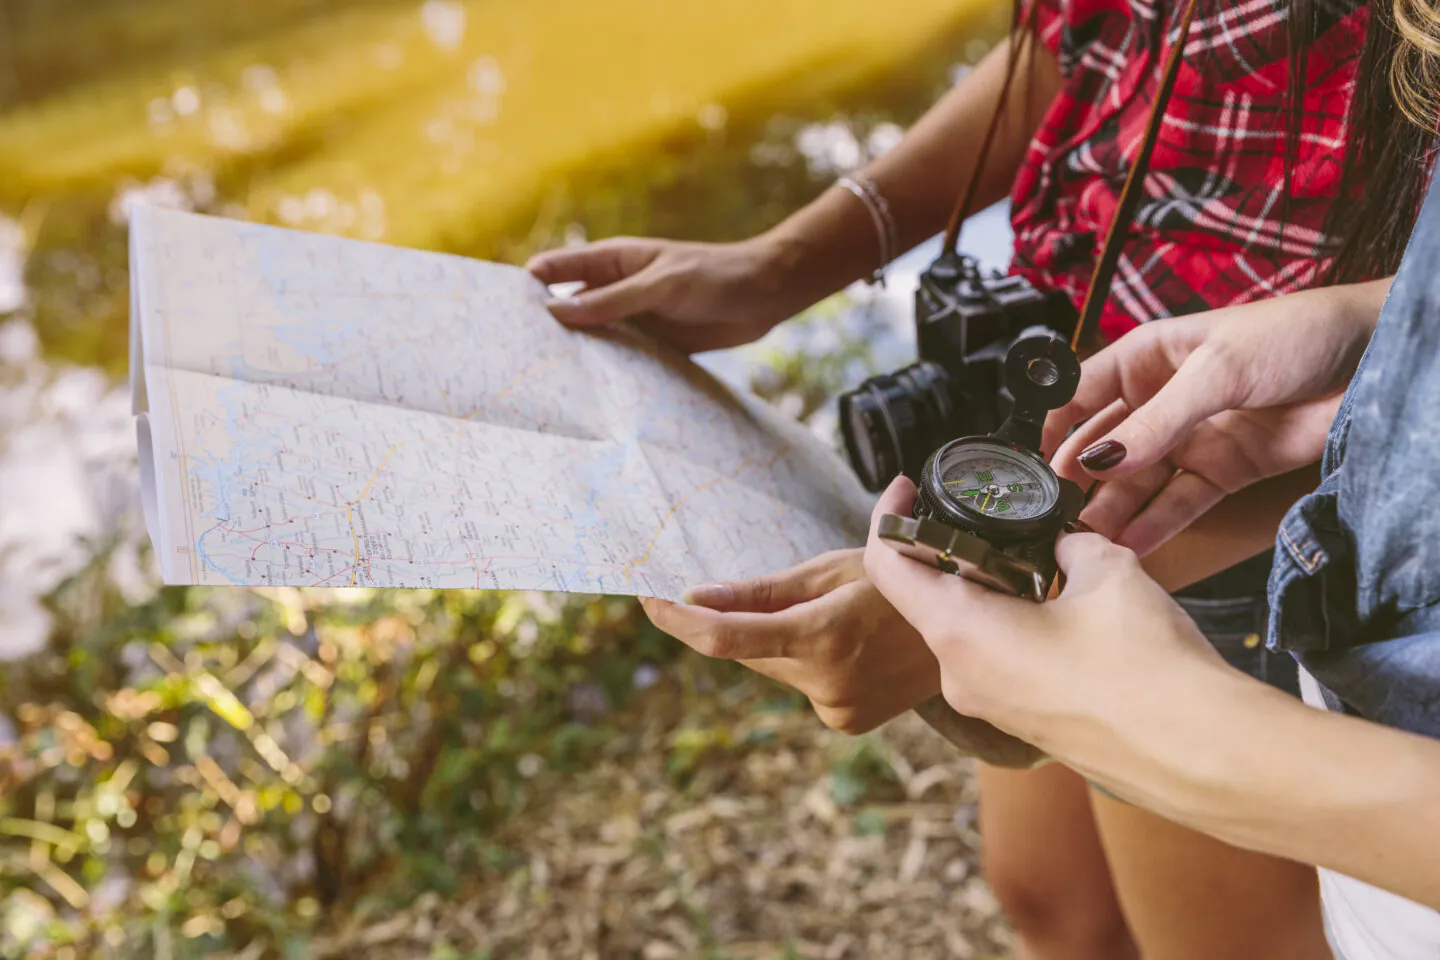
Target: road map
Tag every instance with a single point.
(315, 411)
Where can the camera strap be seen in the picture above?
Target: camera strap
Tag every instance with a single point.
(1118, 231)
(1019, 26)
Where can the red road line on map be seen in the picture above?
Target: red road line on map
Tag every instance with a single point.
(276, 486)
(334, 575)
(268, 526)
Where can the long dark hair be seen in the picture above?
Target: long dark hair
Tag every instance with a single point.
(1387, 154)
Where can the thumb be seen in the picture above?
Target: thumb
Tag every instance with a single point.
(780, 591)
(898, 498)
(607, 305)
(1200, 389)
(1086, 558)
(594, 264)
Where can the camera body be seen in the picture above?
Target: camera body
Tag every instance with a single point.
(965, 325)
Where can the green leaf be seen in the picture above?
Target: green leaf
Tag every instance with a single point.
(870, 823)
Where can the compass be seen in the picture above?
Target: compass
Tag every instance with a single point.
(989, 507)
(999, 490)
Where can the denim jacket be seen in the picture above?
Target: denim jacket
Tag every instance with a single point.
(1355, 589)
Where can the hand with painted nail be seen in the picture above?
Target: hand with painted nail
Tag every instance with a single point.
(1181, 413)
(692, 296)
(821, 628)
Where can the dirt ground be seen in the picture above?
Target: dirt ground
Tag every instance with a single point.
(786, 841)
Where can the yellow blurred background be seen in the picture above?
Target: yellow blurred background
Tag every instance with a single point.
(474, 126)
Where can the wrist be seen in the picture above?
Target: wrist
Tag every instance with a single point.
(1209, 752)
(821, 249)
(1258, 769)
(770, 270)
(778, 256)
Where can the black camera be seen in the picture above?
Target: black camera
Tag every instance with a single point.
(965, 325)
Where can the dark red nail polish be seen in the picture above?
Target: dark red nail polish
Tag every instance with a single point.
(1103, 455)
(1077, 526)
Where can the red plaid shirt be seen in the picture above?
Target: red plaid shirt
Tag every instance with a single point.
(1207, 231)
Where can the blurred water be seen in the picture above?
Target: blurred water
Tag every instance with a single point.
(68, 484)
(13, 245)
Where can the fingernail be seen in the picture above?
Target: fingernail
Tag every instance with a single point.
(710, 595)
(564, 303)
(1077, 526)
(1103, 455)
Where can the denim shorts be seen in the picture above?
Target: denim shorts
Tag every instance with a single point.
(1231, 609)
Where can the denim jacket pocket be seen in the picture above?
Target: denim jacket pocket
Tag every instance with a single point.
(1312, 585)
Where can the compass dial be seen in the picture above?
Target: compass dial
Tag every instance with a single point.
(993, 481)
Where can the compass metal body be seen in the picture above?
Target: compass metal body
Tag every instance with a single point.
(989, 508)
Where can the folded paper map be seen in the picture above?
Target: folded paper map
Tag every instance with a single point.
(325, 412)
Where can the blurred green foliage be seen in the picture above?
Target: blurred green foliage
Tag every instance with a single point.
(222, 767)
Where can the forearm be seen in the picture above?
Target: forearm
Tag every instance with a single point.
(832, 241)
(1225, 754)
(1236, 529)
(1362, 301)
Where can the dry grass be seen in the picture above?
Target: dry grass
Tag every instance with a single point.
(750, 857)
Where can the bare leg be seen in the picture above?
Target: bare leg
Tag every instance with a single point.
(1044, 860)
(1188, 896)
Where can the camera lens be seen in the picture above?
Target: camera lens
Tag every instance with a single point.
(1042, 370)
(893, 421)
